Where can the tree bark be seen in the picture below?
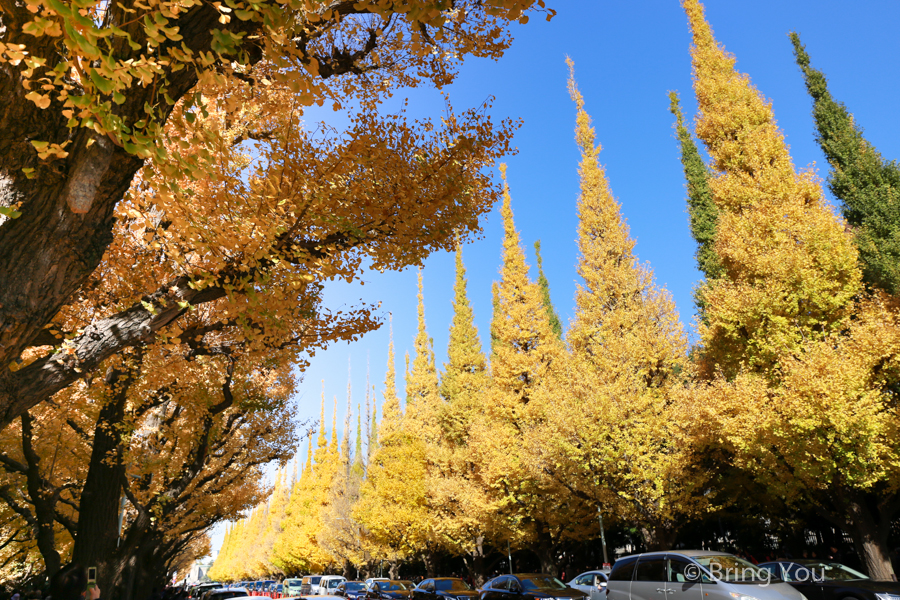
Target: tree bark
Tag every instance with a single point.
(44, 501)
(97, 534)
(658, 537)
(870, 538)
(474, 561)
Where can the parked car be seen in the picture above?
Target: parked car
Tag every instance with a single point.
(225, 593)
(525, 586)
(351, 590)
(292, 587)
(310, 585)
(694, 575)
(825, 580)
(391, 589)
(371, 580)
(451, 588)
(329, 583)
(200, 589)
(592, 583)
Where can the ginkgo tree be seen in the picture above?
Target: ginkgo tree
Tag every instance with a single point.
(102, 98)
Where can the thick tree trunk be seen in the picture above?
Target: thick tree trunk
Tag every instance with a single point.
(97, 535)
(474, 561)
(658, 537)
(429, 558)
(545, 549)
(870, 538)
(394, 569)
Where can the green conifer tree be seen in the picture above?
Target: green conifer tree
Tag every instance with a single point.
(702, 209)
(867, 185)
(552, 315)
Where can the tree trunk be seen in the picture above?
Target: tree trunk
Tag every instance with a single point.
(545, 549)
(43, 499)
(428, 557)
(393, 569)
(658, 538)
(474, 561)
(870, 538)
(97, 535)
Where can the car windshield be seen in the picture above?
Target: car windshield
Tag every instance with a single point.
(354, 585)
(451, 585)
(540, 582)
(315, 580)
(822, 571)
(391, 586)
(726, 567)
(333, 583)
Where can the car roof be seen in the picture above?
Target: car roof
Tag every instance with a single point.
(689, 553)
(531, 575)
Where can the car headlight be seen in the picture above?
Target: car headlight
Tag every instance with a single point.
(886, 596)
(738, 596)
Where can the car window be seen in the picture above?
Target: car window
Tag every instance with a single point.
(651, 569)
(354, 585)
(623, 569)
(451, 585)
(391, 586)
(315, 580)
(333, 583)
(542, 583)
(584, 579)
(681, 570)
(501, 583)
(727, 567)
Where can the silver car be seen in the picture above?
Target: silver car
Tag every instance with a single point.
(592, 583)
(694, 575)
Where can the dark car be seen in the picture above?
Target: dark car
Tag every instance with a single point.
(391, 589)
(451, 588)
(351, 589)
(528, 585)
(826, 580)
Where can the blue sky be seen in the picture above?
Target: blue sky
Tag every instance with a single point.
(627, 55)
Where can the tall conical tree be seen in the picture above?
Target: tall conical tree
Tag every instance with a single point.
(867, 185)
(461, 515)
(422, 397)
(465, 372)
(628, 348)
(804, 408)
(391, 504)
(525, 353)
(789, 270)
(358, 469)
(702, 210)
(525, 343)
(555, 323)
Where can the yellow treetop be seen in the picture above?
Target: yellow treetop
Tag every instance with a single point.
(790, 270)
(392, 499)
(423, 400)
(627, 349)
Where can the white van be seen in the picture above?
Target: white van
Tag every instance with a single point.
(328, 584)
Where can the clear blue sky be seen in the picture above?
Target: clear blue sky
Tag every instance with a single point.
(627, 55)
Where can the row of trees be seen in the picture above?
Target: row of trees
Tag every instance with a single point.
(790, 392)
(167, 225)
